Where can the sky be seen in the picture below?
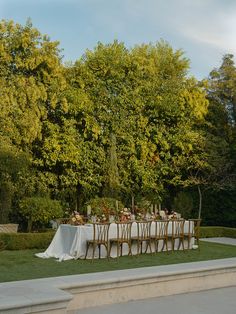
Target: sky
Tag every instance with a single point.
(204, 29)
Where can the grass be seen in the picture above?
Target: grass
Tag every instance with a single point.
(22, 265)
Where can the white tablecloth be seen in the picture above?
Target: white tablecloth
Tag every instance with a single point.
(69, 241)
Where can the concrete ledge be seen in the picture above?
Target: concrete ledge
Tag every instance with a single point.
(67, 294)
(32, 296)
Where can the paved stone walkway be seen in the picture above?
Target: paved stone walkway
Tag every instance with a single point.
(222, 240)
(216, 301)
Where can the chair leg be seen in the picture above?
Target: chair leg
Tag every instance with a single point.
(118, 249)
(138, 244)
(121, 248)
(94, 248)
(156, 245)
(165, 242)
(107, 250)
(189, 240)
(110, 246)
(163, 245)
(181, 241)
(148, 244)
(87, 247)
(130, 250)
(173, 244)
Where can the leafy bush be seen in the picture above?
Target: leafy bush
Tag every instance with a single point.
(213, 232)
(22, 241)
(40, 209)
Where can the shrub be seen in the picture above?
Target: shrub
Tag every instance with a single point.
(23, 241)
(214, 232)
(40, 209)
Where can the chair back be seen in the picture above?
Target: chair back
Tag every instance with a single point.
(194, 227)
(161, 229)
(124, 231)
(100, 232)
(144, 229)
(62, 221)
(178, 228)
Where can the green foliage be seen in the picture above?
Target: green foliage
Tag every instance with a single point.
(23, 241)
(104, 205)
(2, 245)
(143, 98)
(31, 80)
(183, 204)
(212, 232)
(40, 209)
(13, 170)
(119, 122)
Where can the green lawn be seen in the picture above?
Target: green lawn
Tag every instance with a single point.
(21, 265)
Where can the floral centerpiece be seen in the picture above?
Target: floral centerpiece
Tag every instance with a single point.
(102, 218)
(174, 215)
(103, 208)
(139, 216)
(77, 219)
(124, 214)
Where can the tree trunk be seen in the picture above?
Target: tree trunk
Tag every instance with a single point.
(200, 202)
(112, 186)
(5, 201)
(132, 204)
(29, 226)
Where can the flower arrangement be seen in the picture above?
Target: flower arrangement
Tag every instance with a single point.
(139, 216)
(77, 219)
(124, 214)
(102, 208)
(102, 218)
(174, 215)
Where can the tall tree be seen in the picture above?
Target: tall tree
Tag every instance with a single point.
(32, 82)
(145, 99)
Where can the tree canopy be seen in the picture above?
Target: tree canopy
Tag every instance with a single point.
(117, 123)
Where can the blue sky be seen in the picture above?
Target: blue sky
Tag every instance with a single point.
(204, 29)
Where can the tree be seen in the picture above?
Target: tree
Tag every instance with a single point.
(31, 80)
(144, 99)
(40, 209)
(32, 84)
(220, 132)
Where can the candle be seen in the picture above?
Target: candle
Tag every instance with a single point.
(88, 210)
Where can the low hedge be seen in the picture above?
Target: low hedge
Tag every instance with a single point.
(214, 232)
(22, 241)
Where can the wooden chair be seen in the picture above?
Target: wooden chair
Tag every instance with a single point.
(160, 234)
(177, 233)
(193, 231)
(100, 237)
(123, 237)
(143, 235)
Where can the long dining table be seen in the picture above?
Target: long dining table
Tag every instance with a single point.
(69, 241)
